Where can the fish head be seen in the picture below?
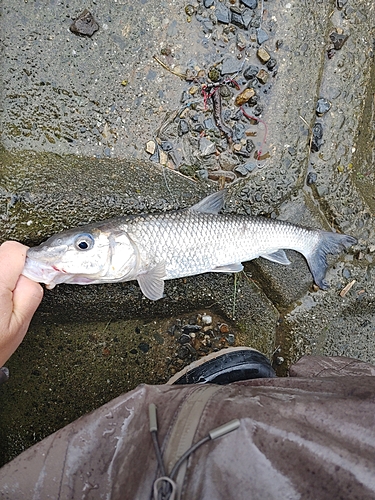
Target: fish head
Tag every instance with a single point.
(82, 256)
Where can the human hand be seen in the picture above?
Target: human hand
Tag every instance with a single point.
(19, 298)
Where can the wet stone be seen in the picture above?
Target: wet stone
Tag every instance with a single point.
(144, 347)
(252, 4)
(322, 106)
(244, 96)
(166, 146)
(208, 3)
(184, 339)
(311, 178)
(183, 127)
(251, 72)
(263, 55)
(263, 76)
(222, 13)
(84, 25)
(209, 124)
(338, 40)
(238, 130)
(236, 18)
(262, 36)
(206, 147)
(271, 63)
(317, 137)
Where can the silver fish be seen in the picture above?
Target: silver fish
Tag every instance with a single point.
(153, 248)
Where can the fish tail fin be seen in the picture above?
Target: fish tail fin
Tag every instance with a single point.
(329, 243)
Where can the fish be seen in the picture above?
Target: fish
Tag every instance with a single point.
(152, 248)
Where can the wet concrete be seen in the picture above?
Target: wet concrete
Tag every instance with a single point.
(77, 115)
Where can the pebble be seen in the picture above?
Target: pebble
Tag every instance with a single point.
(322, 106)
(85, 24)
(184, 338)
(206, 319)
(251, 72)
(208, 3)
(317, 134)
(279, 360)
(263, 55)
(206, 147)
(263, 76)
(262, 36)
(252, 4)
(150, 147)
(246, 168)
(311, 178)
(230, 339)
(222, 13)
(338, 40)
(166, 146)
(183, 127)
(244, 96)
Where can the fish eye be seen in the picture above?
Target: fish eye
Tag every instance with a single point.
(84, 242)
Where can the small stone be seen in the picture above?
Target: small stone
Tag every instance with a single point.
(222, 13)
(261, 36)
(322, 106)
(271, 63)
(163, 157)
(246, 168)
(224, 328)
(241, 41)
(206, 319)
(338, 40)
(144, 347)
(236, 17)
(84, 25)
(252, 4)
(206, 147)
(166, 146)
(311, 178)
(279, 360)
(251, 72)
(150, 147)
(183, 127)
(244, 96)
(193, 90)
(263, 76)
(230, 339)
(317, 134)
(219, 175)
(346, 273)
(184, 338)
(263, 55)
(208, 3)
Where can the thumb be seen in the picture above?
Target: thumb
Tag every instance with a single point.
(27, 296)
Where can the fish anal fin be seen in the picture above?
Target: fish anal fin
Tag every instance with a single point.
(279, 256)
(152, 283)
(212, 204)
(230, 268)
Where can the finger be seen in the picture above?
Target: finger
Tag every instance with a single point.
(27, 296)
(12, 261)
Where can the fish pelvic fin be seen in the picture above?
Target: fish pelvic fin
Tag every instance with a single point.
(212, 204)
(230, 268)
(330, 243)
(279, 256)
(152, 282)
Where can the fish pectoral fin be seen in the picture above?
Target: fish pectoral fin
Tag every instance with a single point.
(212, 204)
(279, 256)
(230, 268)
(152, 283)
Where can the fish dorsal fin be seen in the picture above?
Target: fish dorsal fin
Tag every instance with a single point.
(212, 204)
(230, 268)
(152, 283)
(279, 256)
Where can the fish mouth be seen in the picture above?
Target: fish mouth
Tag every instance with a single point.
(43, 273)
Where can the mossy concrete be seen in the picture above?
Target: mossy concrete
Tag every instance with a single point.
(77, 113)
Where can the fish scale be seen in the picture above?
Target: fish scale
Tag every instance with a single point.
(153, 248)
